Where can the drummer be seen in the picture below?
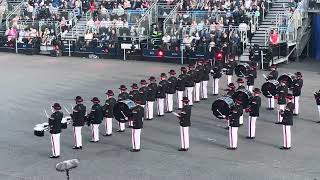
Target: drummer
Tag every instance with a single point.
(124, 95)
(250, 79)
(137, 122)
(233, 119)
(240, 83)
(55, 129)
(231, 89)
(282, 92)
(273, 75)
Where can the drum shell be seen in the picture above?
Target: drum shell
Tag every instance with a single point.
(269, 88)
(244, 96)
(242, 67)
(39, 133)
(289, 77)
(126, 107)
(224, 105)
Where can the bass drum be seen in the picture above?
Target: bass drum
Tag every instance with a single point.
(242, 69)
(123, 109)
(243, 95)
(269, 88)
(289, 77)
(222, 107)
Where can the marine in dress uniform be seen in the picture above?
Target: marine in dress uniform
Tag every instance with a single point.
(134, 93)
(250, 79)
(95, 118)
(181, 86)
(233, 119)
(144, 91)
(55, 130)
(230, 70)
(240, 82)
(296, 92)
(189, 83)
(216, 75)
(205, 79)
(161, 94)
(185, 123)
(137, 119)
(108, 112)
(282, 92)
(151, 97)
(124, 95)
(287, 123)
(273, 75)
(78, 118)
(171, 90)
(317, 98)
(254, 109)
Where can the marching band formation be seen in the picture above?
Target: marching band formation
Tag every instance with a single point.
(190, 87)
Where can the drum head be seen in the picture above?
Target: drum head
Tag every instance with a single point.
(222, 107)
(244, 96)
(38, 133)
(241, 70)
(269, 88)
(289, 77)
(122, 109)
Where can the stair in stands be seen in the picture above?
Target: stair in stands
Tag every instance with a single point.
(269, 21)
(78, 30)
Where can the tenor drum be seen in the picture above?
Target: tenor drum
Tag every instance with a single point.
(39, 130)
(289, 77)
(242, 69)
(65, 121)
(269, 88)
(123, 109)
(244, 96)
(222, 106)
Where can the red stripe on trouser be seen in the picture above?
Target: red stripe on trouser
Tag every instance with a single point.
(147, 110)
(92, 130)
(75, 137)
(134, 142)
(106, 126)
(184, 143)
(231, 137)
(53, 147)
(285, 135)
(250, 118)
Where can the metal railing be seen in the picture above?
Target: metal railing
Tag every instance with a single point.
(143, 26)
(16, 10)
(171, 16)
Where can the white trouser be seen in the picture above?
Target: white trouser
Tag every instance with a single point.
(179, 99)
(286, 136)
(149, 110)
(95, 132)
(241, 119)
(229, 79)
(160, 106)
(281, 107)
(215, 86)
(169, 102)
(197, 92)
(135, 138)
(77, 136)
(189, 92)
(130, 123)
(271, 102)
(252, 126)
(296, 104)
(108, 125)
(122, 126)
(204, 87)
(250, 88)
(233, 137)
(55, 144)
(184, 137)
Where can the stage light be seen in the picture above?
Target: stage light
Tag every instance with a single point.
(160, 53)
(219, 55)
(106, 50)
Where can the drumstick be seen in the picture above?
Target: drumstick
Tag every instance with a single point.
(125, 117)
(176, 114)
(242, 74)
(46, 113)
(220, 113)
(264, 76)
(51, 108)
(269, 93)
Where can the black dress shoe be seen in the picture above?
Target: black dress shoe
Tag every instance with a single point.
(271, 109)
(278, 123)
(107, 135)
(318, 122)
(160, 115)
(182, 149)
(240, 125)
(54, 157)
(214, 94)
(226, 128)
(284, 148)
(120, 130)
(196, 101)
(129, 126)
(295, 114)
(250, 137)
(148, 119)
(93, 141)
(231, 148)
(75, 147)
(134, 150)
(204, 99)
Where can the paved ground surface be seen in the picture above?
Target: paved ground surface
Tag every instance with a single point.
(31, 83)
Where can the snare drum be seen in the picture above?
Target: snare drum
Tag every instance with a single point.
(123, 109)
(289, 77)
(244, 96)
(242, 69)
(39, 130)
(222, 107)
(269, 88)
